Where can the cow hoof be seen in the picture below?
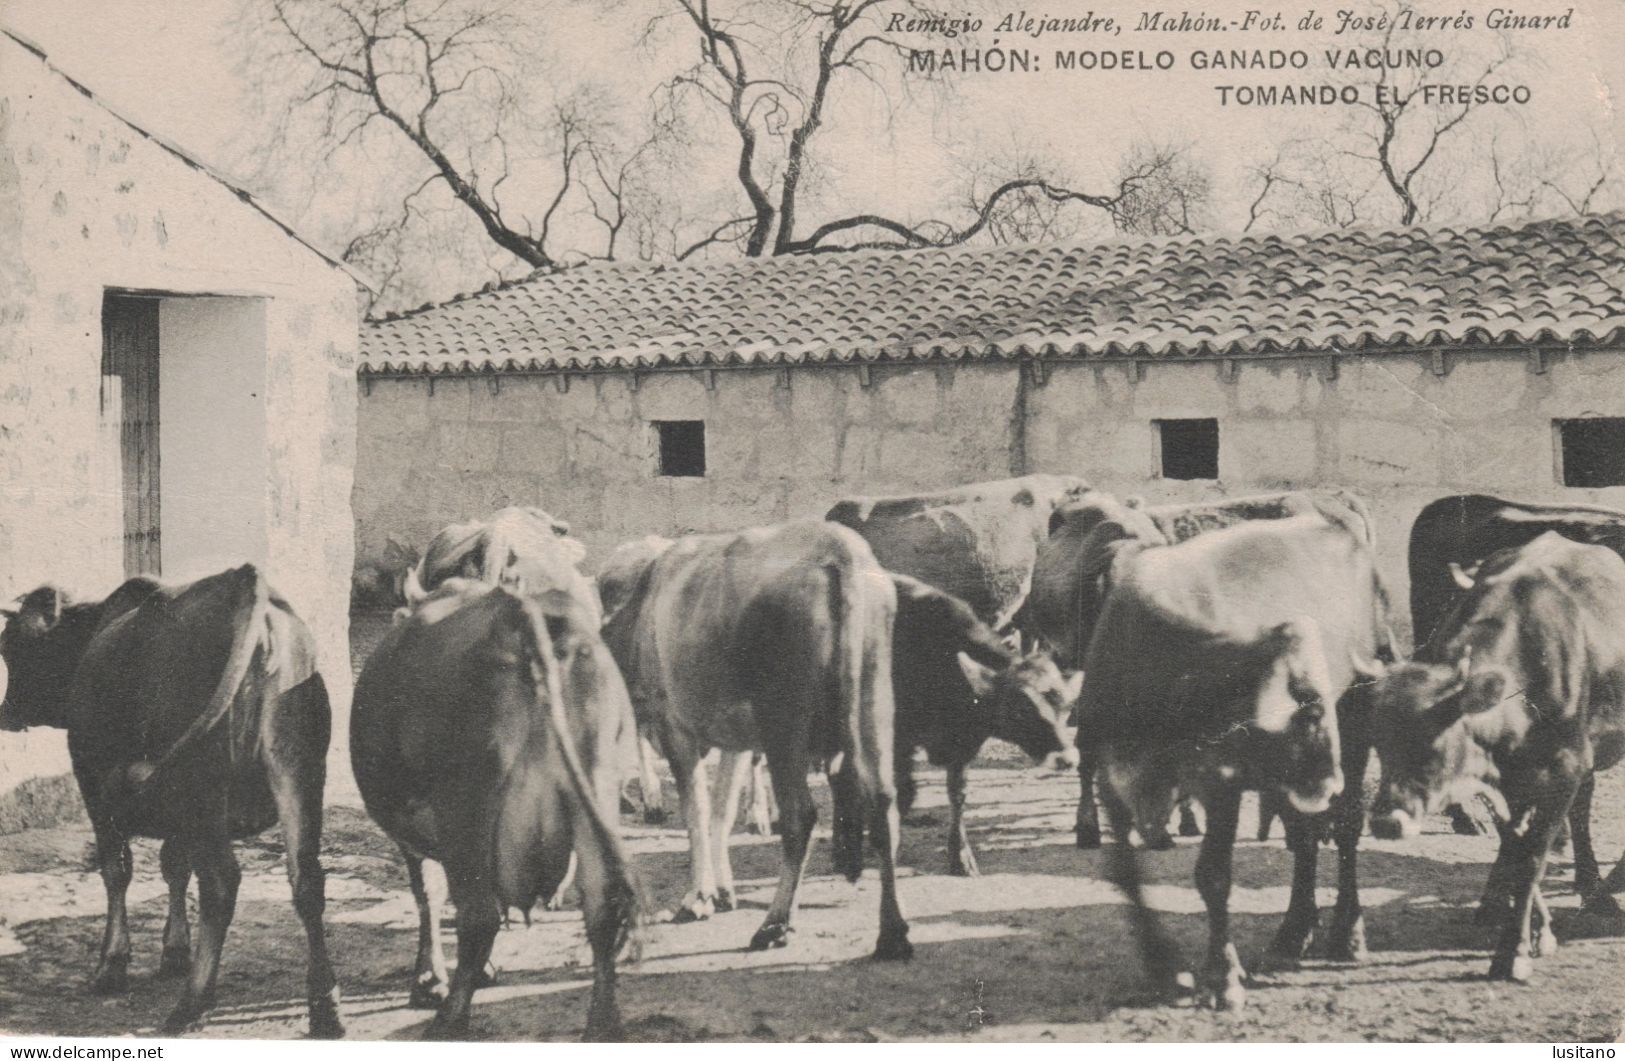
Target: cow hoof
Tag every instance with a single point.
(111, 980)
(1227, 998)
(1543, 944)
(693, 910)
(1158, 840)
(963, 867)
(1288, 949)
(774, 935)
(1464, 824)
(894, 947)
(174, 963)
(486, 977)
(427, 994)
(1518, 969)
(1347, 942)
(1088, 837)
(324, 1017)
(724, 901)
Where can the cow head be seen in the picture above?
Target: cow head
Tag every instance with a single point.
(1293, 727)
(1028, 703)
(35, 667)
(1423, 736)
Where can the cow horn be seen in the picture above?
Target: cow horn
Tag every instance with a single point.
(1366, 668)
(1464, 666)
(413, 590)
(1461, 576)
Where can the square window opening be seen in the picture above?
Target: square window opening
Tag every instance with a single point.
(682, 447)
(1188, 449)
(1592, 451)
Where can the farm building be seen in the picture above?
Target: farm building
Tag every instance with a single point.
(640, 399)
(177, 380)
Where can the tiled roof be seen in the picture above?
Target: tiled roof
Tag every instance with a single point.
(191, 160)
(1548, 282)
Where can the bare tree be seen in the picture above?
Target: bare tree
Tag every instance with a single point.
(776, 109)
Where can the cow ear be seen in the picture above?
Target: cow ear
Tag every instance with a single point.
(41, 610)
(979, 677)
(1462, 577)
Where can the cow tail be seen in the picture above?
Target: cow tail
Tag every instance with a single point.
(252, 606)
(860, 679)
(623, 898)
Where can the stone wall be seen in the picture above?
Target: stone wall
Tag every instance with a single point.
(782, 445)
(87, 204)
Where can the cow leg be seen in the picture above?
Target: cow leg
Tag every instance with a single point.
(1587, 875)
(649, 787)
(177, 870)
(478, 917)
(797, 815)
(1514, 957)
(1269, 809)
(1346, 941)
(694, 793)
(1188, 825)
(733, 772)
(961, 859)
(113, 857)
(217, 878)
(762, 813)
(605, 917)
(429, 977)
(1496, 901)
(1297, 932)
(1157, 949)
(1615, 882)
(1222, 972)
(1542, 940)
(893, 944)
(1462, 823)
(1088, 824)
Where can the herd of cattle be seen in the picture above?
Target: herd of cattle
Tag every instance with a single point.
(1203, 650)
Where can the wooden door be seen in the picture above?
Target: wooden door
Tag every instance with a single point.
(130, 402)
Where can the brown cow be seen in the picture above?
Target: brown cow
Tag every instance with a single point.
(1228, 663)
(195, 715)
(1519, 693)
(775, 639)
(488, 733)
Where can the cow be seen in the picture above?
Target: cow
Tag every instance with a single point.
(957, 684)
(195, 715)
(525, 546)
(977, 542)
(776, 639)
(1229, 662)
(1072, 577)
(1459, 532)
(487, 733)
(381, 586)
(1520, 694)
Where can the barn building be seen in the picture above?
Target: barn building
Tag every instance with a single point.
(177, 381)
(637, 399)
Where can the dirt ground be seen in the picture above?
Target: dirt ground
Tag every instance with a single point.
(1036, 948)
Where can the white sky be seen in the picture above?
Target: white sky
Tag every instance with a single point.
(165, 63)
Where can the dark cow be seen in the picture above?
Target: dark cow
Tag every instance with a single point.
(1072, 577)
(957, 684)
(1521, 692)
(1459, 532)
(1227, 663)
(776, 639)
(488, 734)
(195, 715)
(977, 542)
